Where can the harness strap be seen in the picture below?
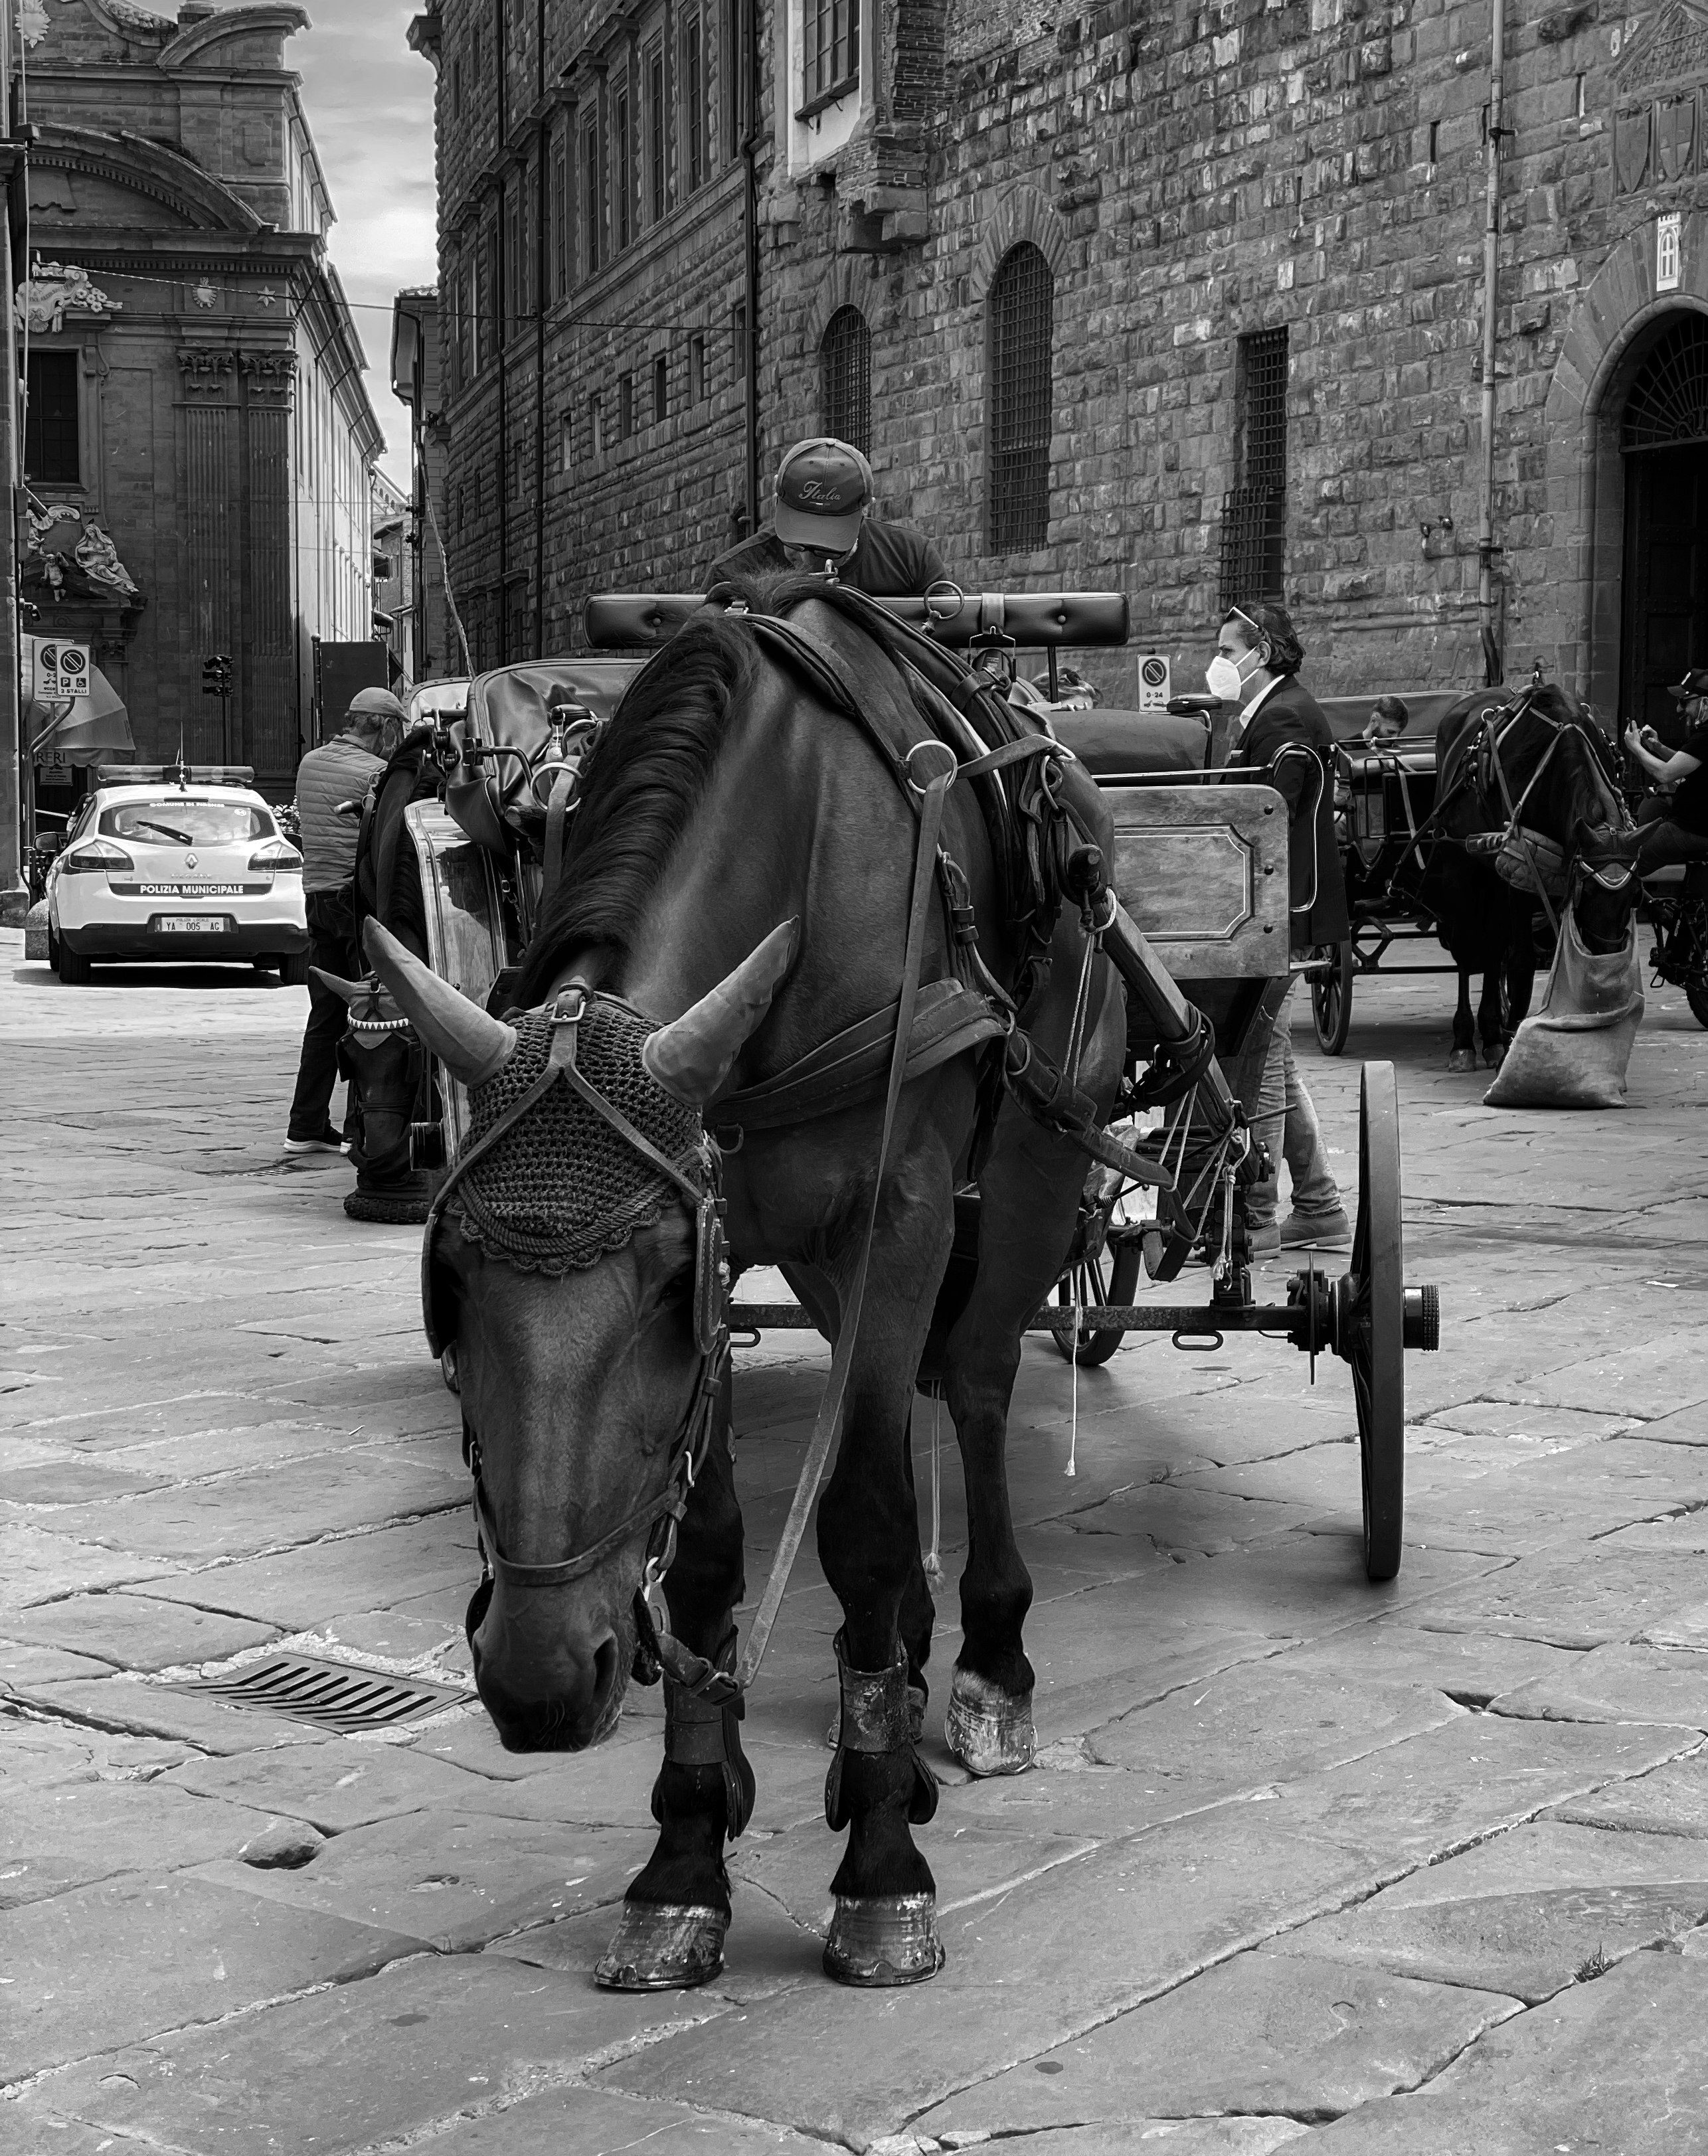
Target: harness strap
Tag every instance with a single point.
(948, 1020)
(829, 1414)
(569, 1567)
(557, 822)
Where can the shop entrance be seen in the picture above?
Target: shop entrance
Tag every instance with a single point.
(1665, 442)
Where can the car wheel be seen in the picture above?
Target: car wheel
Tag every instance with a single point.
(73, 971)
(294, 971)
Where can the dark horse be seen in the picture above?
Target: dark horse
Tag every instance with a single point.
(727, 798)
(1536, 762)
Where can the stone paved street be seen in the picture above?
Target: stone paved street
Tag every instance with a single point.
(1414, 1871)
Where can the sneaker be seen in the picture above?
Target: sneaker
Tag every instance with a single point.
(1265, 1241)
(328, 1142)
(1300, 1230)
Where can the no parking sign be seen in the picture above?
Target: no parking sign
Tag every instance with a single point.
(62, 671)
(1153, 683)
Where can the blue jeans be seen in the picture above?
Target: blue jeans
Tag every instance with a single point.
(1285, 1121)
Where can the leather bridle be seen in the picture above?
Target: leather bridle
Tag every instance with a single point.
(698, 1176)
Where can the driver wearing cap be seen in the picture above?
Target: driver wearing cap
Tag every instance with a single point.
(820, 520)
(1674, 823)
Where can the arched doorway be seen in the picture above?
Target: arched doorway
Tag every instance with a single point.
(1663, 445)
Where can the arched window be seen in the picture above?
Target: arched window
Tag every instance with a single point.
(845, 379)
(1668, 399)
(1022, 308)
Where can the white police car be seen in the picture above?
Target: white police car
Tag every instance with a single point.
(176, 864)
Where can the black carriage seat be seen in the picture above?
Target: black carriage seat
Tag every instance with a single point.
(510, 709)
(1125, 745)
(1349, 715)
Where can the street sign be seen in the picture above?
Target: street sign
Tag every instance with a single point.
(62, 672)
(1153, 683)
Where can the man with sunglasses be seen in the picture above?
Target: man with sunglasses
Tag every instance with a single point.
(1281, 738)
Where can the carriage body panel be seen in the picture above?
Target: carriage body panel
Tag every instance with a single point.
(1203, 872)
(466, 942)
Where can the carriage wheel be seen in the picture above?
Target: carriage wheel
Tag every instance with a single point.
(1370, 1330)
(1086, 1284)
(1331, 1000)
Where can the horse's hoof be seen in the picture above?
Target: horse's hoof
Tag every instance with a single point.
(880, 1940)
(663, 1947)
(990, 1730)
(916, 1719)
(1463, 1059)
(1493, 1057)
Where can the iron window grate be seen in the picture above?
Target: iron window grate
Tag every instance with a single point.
(844, 378)
(1254, 511)
(1668, 399)
(1253, 544)
(1022, 309)
(1263, 408)
(332, 1695)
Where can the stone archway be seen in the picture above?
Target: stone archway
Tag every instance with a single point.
(1616, 321)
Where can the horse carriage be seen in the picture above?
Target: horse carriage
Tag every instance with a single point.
(1069, 964)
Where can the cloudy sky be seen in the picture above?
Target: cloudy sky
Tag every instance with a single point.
(370, 105)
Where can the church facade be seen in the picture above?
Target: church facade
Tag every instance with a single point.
(1186, 299)
(198, 440)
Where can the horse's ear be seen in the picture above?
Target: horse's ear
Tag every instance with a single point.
(692, 1057)
(349, 990)
(471, 1044)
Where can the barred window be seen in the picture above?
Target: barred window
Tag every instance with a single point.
(696, 369)
(1254, 510)
(658, 170)
(625, 405)
(622, 169)
(661, 387)
(559, 235)
(592, 200)
(845, 379)
(1020, 317)
(694, 97)
(830, 51)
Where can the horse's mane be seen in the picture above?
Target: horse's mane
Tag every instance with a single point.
(641, 785)
(642, 782)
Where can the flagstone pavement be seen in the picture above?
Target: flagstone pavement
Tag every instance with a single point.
(1419, 1870)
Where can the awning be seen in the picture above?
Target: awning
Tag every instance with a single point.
(93, 729)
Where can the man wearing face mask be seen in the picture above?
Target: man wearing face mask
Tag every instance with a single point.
(1281, 738)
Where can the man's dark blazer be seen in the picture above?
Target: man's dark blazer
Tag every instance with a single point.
(1290, 715)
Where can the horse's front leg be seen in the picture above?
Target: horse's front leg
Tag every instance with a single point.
(1464, 1036)
(678, 1910)
(884, 1930)
(1491, 1024)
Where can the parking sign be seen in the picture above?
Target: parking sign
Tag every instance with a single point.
(62, 672)
(1153, 683)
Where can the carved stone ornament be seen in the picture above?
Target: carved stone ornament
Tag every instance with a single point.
(31, 21)
(1631, 132)
(206, 367)
(1675, 136)
(271, 377)
(54, 290)
(98, 558)
(1674, 52)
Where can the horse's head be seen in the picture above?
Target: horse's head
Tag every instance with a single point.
(573, 1284)
(382, 1057)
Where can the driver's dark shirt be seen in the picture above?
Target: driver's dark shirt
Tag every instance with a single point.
(892, 561)
(1691, 796)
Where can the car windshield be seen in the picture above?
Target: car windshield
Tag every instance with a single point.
(173, 821)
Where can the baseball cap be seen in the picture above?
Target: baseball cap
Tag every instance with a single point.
(376, 704)
(823, 486)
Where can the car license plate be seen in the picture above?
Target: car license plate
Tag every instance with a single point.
(192, 924)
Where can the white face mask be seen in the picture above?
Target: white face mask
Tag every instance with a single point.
(1223, 677)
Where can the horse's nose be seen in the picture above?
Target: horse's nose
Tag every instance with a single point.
(543, 1696)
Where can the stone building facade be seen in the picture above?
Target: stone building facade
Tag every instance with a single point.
(1183, 298)
(199, 442)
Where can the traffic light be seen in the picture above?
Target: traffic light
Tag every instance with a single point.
(216, 676)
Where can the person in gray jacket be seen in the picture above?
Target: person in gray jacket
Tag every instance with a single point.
(341, 769)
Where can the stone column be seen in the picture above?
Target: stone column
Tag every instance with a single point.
(265, 667)
(209, 410)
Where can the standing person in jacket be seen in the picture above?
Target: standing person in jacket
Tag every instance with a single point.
(1281, 737)
(341, 770)
(820, 514)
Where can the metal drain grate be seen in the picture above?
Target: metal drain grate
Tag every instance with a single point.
(332, 1694)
